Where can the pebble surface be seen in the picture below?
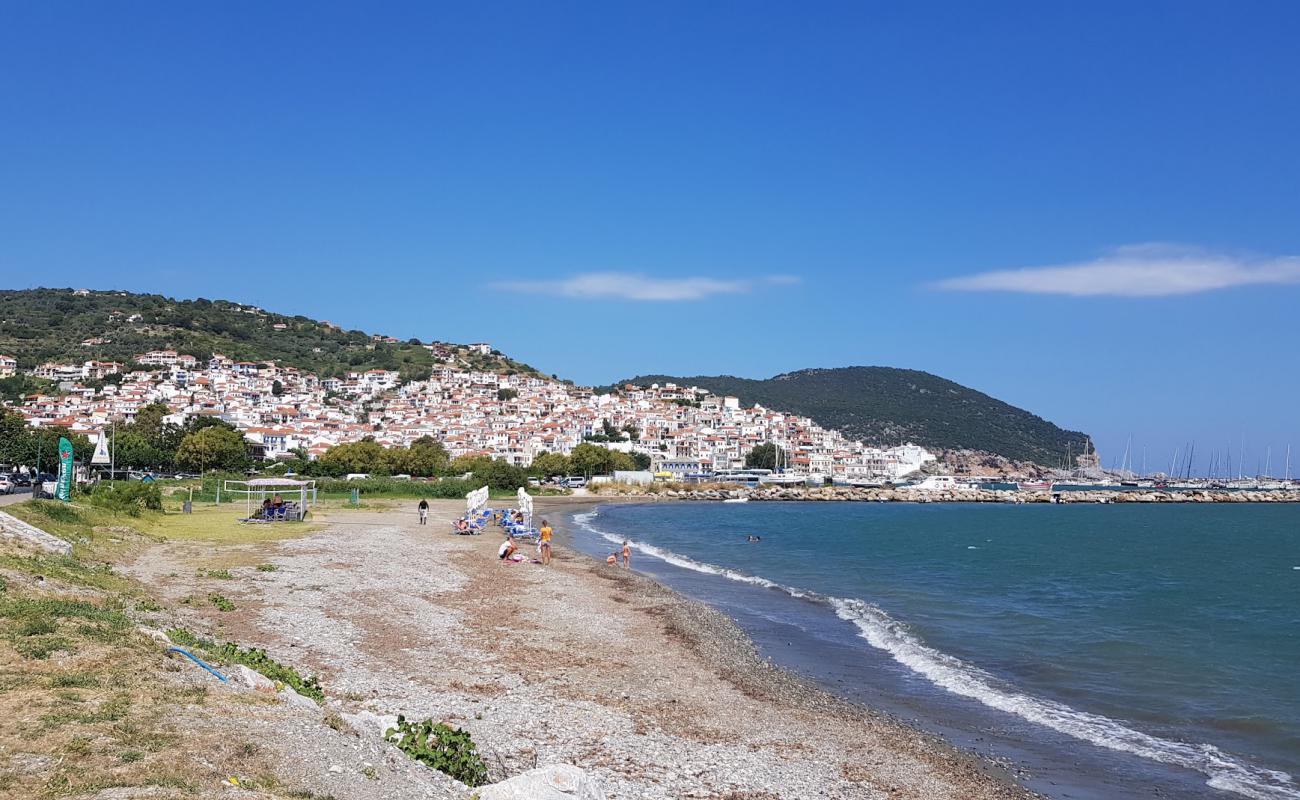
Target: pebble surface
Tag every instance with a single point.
(655, 696)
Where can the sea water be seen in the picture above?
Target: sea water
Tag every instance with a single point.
(1113, 651)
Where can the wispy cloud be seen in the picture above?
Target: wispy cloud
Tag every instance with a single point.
(633, 286)
(1145, 270)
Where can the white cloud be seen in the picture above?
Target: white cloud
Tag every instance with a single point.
(632, 286)
(1145, 270)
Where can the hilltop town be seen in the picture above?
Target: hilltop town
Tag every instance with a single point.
(283, 411)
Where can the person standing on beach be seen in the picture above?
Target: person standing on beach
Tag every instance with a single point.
(544, 541)
(424, 511)
(627, 554)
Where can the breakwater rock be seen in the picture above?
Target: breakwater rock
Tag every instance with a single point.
(846, 493)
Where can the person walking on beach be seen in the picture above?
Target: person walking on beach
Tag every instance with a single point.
(544, 541)
(424, 511)
(627, 554)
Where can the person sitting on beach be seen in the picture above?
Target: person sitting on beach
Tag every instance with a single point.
(612, 560)
(627, 554)
(462, 526)
(519, 518)
(266, 508)
(278, 502)
(506, 550)
(544, 541)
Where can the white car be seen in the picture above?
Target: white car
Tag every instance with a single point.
(6, 485)
(576, 482)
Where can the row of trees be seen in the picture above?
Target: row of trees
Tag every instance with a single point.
(201, 444)
(21, 445)
(426, 458)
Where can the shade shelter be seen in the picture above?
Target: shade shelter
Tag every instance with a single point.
(258, 489)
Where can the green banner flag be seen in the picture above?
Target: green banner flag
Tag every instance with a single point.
(63, 490)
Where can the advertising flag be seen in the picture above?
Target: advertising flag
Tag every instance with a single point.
(101, 450)
(63, 490)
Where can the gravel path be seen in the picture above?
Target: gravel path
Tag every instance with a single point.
(577, 663)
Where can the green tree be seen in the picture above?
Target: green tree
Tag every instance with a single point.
(764, 456)
(549, 465)
(366, 455)
(213, 448)
(590, 459)
(132, 450)
(463, 464)
(506, 394)
(641, 460)
(426, 457)
(277, 388)
(500, 474)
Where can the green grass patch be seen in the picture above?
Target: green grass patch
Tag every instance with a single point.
(222, 602)
(223, 574)
(68, 569)
(33, 624)
(74, 680)
(253, 658)
(267, 568)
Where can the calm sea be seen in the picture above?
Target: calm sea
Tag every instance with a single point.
(1111, 651)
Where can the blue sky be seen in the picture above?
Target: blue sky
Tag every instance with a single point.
(1089, 210)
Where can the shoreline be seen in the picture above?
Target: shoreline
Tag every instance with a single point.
(850, 494)
(719, 640)
(657, 695)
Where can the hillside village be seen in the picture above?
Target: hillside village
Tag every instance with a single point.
(282, 410)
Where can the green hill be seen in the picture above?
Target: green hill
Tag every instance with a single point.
(39, 325)
(888, 406)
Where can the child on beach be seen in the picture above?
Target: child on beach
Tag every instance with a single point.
(544, 541)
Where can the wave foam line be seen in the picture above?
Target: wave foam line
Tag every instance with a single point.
(883, 632)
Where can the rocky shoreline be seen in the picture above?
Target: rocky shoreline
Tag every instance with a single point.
(850, 494)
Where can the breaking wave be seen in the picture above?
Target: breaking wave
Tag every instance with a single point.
(1223, 771)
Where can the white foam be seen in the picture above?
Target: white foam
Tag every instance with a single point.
(883, 632)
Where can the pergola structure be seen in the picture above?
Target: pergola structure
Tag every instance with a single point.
(259, 488)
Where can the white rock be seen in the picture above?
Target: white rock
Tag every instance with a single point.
(254, 680)
(556, 782)
(368, 723)
(155, 634)
(288, 695)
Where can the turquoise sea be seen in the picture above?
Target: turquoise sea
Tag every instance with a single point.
(1111, 651)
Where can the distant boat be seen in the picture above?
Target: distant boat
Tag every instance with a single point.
(736, 500)
(1034, 486)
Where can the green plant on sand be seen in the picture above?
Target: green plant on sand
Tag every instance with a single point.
(442, 747)
(254, 659)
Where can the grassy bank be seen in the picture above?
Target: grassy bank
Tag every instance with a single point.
(92, 704)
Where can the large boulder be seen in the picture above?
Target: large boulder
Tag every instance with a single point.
(557, 782)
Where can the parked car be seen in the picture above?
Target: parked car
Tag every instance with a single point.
(20, 481)
(6, 485)
(575, 482)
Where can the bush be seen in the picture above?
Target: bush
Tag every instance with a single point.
(442, 747)
(128, 497)
(56, 511)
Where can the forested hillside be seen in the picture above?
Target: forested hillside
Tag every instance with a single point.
(38, 325)
(888, 406)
